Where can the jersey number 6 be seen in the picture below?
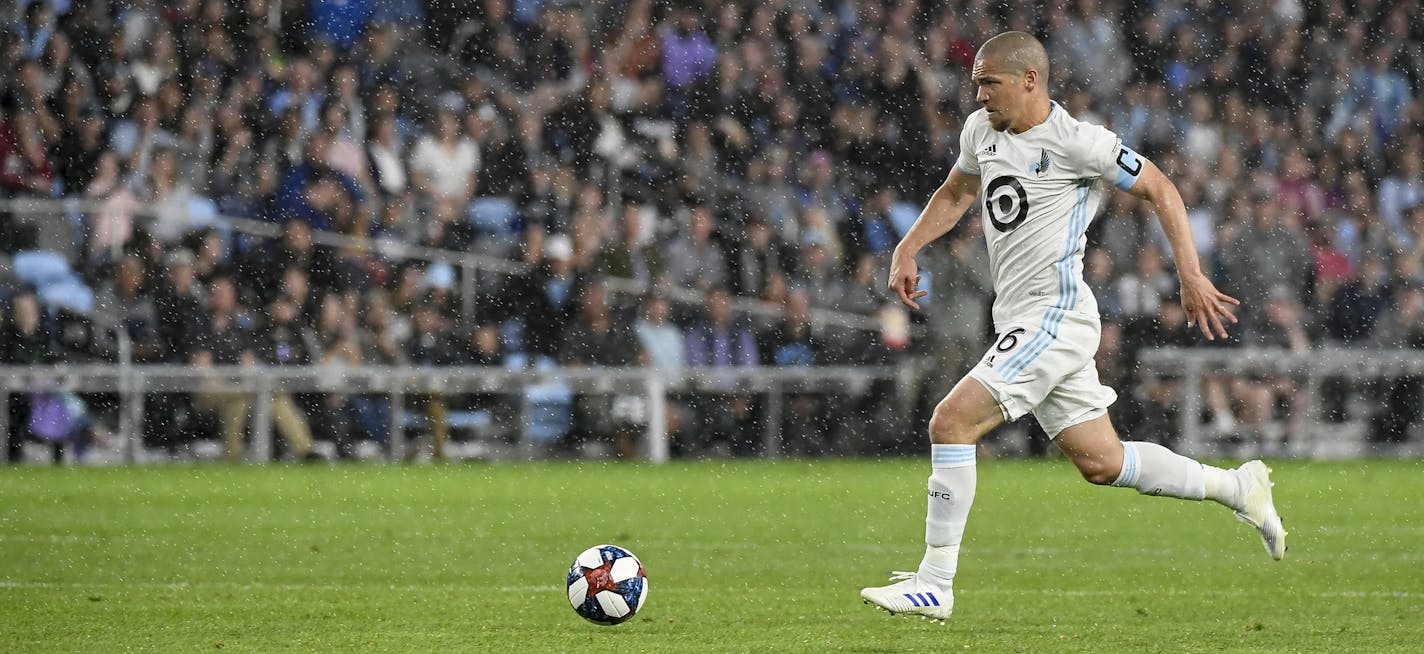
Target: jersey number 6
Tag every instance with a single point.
(1009, 340)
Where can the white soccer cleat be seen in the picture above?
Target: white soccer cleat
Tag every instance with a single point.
(909, 594)
(1259, 510)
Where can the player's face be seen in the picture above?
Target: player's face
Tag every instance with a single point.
(1001, 92)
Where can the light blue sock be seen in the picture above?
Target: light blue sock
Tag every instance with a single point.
(1156, 470)
(951, 493)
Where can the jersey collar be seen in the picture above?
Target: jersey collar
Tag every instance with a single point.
(1052, 108)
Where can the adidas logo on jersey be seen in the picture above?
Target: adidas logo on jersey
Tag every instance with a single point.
(989, 151)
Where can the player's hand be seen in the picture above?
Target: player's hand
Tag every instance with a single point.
(1206, 307)
(905, 278)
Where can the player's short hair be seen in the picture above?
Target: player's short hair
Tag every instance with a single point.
(1019, 52)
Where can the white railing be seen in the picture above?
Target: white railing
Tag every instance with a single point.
(132, 382)
(1310, 368)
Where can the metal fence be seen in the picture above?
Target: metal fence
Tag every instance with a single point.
(132, 383)
(1352, 372)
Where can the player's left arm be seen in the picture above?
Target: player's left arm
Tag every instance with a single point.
(1205, 306)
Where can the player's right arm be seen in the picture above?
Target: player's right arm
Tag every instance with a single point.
(940, 215)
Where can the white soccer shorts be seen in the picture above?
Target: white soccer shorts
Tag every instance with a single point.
(1043, 364)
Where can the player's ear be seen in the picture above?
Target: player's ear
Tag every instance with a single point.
(1030, 80)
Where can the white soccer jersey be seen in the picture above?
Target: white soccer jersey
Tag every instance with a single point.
(1040, 189)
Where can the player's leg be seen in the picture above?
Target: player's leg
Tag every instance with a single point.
(958, 422)
(1094, 448)
(963, 417)
(1022, 367)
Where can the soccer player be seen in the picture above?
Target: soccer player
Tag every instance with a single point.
(1042, 175)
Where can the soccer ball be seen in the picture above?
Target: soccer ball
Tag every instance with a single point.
(607, 584)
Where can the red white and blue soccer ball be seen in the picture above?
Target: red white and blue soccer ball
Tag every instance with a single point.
(607, 584)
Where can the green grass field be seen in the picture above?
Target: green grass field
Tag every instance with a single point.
(741, 557)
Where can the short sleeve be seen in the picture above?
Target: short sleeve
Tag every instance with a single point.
(968, 161)
(1107, 158)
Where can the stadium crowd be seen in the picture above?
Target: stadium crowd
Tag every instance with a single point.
(769, 151)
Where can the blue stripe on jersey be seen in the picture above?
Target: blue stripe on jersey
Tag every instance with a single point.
(1048, 328)
(1015, 363)
(1067, 295)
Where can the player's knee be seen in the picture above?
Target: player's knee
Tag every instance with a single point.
(948, 428)
(1099, 472)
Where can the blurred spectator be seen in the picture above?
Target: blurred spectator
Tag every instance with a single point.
(1264, 253)
(763, 256)
(817, 275)
(444, 161)
(381, 342)
(1358, 305)
(227, 341)
(78, 151)
(1262, 397)
(333, 414)
(503, 167)
(688, 53)
(125, 309)
(717, 341)
(24, 165)
(663, 340)
(430, 344)
(631, 256)
(284, 342)
(1402, 190)
(598, 337)
(863, 293)
(480, 346)
(792, 342)
(178, 308)
(693, 260)
(1402, 405)
(1140, 292)
(387, 155)
(549, 296)
(808, 419)
(26, 341)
